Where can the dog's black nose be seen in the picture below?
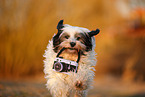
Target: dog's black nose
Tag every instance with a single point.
(72, 44)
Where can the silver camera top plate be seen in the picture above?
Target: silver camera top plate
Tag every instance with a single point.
(66, 61)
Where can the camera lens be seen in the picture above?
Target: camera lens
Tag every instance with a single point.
(58, 66)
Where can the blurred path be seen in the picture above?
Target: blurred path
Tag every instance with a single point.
(101, 89)
(23, 89)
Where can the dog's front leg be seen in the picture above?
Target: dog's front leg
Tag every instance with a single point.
(79, 85)
(80, 89)
(82, 93)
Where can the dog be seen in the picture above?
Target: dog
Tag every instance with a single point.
(74, 43)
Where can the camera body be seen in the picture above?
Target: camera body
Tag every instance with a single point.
(64, 66)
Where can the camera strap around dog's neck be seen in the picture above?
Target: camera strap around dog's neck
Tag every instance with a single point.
(66, 48)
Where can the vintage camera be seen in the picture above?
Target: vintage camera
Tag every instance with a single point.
(63, 65)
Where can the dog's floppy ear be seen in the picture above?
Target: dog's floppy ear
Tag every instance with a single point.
(92, 33)
(60, 25)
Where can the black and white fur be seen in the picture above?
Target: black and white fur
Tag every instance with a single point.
(74, 39)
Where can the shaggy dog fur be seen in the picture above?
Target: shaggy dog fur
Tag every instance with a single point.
(74, 39)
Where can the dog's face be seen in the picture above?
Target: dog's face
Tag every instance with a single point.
(73, 38)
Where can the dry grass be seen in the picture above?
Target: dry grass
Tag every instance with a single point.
(27, 25)
(23, 33)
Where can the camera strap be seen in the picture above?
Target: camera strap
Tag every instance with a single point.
(66, 48)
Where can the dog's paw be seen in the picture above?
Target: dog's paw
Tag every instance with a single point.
(80, 85)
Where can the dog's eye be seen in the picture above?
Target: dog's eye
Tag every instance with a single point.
(66, 37)
(78, 38)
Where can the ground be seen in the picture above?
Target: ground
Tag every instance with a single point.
(107, 87)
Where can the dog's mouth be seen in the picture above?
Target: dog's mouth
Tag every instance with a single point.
(72, 49)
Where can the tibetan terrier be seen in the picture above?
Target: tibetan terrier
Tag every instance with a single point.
(70, 60)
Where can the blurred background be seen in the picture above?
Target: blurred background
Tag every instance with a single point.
(26, 26)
